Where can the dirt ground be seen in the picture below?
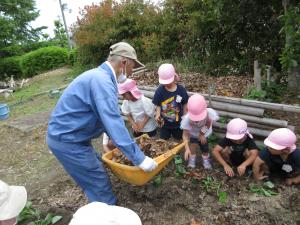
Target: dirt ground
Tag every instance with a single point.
(25, 160)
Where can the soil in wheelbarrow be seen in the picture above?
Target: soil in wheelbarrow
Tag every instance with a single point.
(151, 147)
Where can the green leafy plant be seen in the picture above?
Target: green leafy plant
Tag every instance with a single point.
(265, 191)
(210, 184)
(255, 94)
(157, 181)
(222, 196)
(180, 169)
(29, 213)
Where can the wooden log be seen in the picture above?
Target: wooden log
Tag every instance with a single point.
(224, 106)
(260, 120)
(265, 121)
(245, 102)
(221, 135)
(252, 130)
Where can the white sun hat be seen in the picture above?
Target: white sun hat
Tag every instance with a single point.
(12, 200)
(96, 213)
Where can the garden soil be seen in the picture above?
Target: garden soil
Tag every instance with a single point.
(25, 160)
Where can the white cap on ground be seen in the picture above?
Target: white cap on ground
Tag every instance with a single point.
(98, 213)
(12, 200)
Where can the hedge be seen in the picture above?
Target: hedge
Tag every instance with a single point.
(10, 66)
(42, 60)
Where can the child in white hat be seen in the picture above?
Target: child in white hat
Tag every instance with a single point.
(97, 213)
(12, 201)
(236, 149)
(280, 156)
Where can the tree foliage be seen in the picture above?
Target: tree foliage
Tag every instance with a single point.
(15, 18)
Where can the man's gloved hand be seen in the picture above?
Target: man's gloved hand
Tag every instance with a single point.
(148, 164)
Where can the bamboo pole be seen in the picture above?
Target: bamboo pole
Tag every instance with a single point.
(223, 106)
(245, 102)
(265, 121)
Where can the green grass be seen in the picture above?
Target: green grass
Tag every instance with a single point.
(23, 101)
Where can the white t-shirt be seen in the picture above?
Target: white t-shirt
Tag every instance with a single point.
(138, 110)
(195, 128)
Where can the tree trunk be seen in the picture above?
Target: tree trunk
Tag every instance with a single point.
(294, 79)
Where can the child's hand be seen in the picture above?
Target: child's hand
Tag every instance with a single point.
(261, 176)
(140, 125)
(187, 154)
(135, 127)
(241, 169)
(202, 139)
(228, 171)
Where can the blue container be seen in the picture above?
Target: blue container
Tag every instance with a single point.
(4, 111)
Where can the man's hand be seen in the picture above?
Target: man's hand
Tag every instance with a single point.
(228, 171)
(148, 164)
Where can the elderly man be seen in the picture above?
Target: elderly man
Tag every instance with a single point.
(87, 108)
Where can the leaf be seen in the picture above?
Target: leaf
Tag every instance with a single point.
(55, 219)
(222, 197)
(157, 180)
(269, 184)
(178, 160)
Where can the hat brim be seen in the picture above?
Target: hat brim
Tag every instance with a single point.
(234, 136)
(168, 81)
(272, 145)
(15, 204)
(138, 64)
(199, 117)
(136, 93)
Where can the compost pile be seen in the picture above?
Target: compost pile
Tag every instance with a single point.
(149, 146)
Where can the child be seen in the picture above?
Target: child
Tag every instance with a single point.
(170, 100)
(237, 148)
(280, 155)
(197, 126)
(138, 109)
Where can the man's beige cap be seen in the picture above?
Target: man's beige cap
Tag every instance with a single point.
(126, 50)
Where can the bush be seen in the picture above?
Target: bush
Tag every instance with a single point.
(43, 59)
(10, 66)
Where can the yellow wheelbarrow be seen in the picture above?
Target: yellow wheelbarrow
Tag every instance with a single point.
(135, 175)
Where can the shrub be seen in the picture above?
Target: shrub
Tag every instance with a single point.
(10, 66)
(43, 59)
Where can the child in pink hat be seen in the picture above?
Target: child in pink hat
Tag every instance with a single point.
(280, 156)
(236, 149)
(138, 109)
(197, 126)
(170, 100)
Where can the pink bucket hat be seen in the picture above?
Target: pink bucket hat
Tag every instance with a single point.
(197, 107)
(281, 138)
(130, 86)
(166, 73)
(237, 129)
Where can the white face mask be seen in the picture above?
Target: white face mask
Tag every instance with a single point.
(122, 77)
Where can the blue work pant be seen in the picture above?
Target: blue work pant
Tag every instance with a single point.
(82, 162)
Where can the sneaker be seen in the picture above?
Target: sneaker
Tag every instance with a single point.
(192, 161)
(207, 164)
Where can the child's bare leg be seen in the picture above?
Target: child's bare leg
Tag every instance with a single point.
(193, 147)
